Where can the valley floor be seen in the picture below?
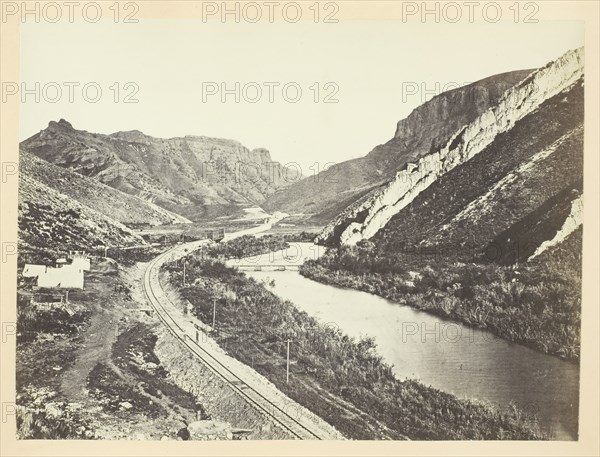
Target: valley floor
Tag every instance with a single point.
(105, 367)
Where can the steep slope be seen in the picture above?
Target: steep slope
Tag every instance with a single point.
(117, 205)
(503, 203)
(52, 220)
(366, 217)
(426, 129)
(185, 175)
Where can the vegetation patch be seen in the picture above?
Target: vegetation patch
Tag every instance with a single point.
(48, 320)
(247, 246)
(131, 256)
(116, 395)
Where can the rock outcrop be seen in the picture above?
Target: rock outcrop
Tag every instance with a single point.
(366, 217)
(573, 221)
(426, 129)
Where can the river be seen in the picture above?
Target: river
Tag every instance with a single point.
(466, 362)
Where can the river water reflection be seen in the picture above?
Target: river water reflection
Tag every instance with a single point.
(467, 362)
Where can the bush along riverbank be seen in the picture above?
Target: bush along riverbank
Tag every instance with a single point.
(246, 246)
(250, 245)
(340, 379)
(537, 304)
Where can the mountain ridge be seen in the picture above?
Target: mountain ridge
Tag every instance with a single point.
(488, 229)
(185, 175)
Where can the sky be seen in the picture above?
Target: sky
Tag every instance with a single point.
(172, 72)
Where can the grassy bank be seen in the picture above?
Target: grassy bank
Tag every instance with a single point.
(340, 379)
(246, 246)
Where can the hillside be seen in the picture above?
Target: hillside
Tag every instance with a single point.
(50, 219)
(531, 174)
(117, 205)
(428, 127)
(193, 176)
(517, 109)
(487, 229)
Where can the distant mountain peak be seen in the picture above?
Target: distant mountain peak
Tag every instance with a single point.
(61, 125)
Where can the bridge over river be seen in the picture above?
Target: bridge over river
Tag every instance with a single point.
(271, 267)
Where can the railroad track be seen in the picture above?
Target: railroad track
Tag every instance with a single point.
(256, 399)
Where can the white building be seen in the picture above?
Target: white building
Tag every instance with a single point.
(61, 262)
(64, 276)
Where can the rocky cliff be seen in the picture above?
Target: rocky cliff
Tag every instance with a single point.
(426, 129)
(572, 222)
(486, 230)
(371, 213)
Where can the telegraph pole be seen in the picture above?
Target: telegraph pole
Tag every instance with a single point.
(184, 272)
(214, 312)
(105, 251)
(287, 374)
